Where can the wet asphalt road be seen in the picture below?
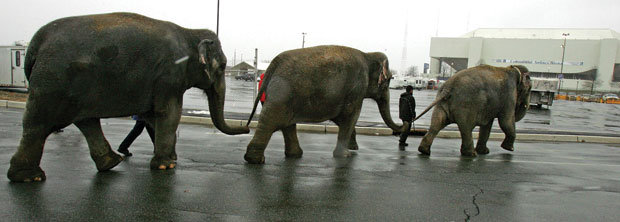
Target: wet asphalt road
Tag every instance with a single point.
(564, 117)
(537, 182)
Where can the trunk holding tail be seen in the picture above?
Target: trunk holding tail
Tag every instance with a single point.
(384, 110)
(216, 97)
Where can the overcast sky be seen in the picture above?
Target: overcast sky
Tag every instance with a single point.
(274, 26)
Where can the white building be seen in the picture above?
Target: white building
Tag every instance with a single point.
(589, 54)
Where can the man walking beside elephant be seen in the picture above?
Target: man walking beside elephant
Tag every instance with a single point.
(406, 106)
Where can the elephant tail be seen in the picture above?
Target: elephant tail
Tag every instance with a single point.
(258, 96)
(443, 95)
(31, 53)
(33, 48)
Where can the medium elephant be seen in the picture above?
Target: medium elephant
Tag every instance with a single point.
(475, 97)
(89, 67)
(318, 84)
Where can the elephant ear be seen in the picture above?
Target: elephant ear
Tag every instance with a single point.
(203, 47)
(523, 79)
(202, 50)
(524, 84)
(383, 72)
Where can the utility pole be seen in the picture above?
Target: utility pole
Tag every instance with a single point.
(255, 72)
(217, 29)
(303, 39)
(562, 64)
(403, 59)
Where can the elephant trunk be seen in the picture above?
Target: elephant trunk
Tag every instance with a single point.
(384, 109)
(216, 96)
(521, 109)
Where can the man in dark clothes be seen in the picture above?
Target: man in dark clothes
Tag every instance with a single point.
(406, 106)
(135, 132)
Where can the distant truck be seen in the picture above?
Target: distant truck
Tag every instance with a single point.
(12, 67)
(543, 91)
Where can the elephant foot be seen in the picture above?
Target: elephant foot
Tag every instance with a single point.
(482, 150)
(424, 150)
(507, 146)
(107, 162)
(470, 153)
(342, 153)
(161, 163)
(353, 147)
(293, 153)
(25, 175)
(254, 159)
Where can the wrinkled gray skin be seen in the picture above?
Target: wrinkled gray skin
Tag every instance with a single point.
(85, 68)
(318, 84)
(475, 97)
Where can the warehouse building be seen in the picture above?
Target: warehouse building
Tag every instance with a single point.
(583, 59)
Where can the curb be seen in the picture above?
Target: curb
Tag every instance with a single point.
(378, 131)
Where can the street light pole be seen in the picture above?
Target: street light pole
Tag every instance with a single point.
(217, 28)
(562, 64)
(303, 39)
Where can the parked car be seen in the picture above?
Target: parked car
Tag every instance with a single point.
(610, 97)
(572, 96)
(245, 77)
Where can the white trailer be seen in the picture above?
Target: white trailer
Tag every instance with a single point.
(12, 67)
(543, 91)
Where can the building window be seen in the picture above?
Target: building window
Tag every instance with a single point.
(18, 59)
(616, 76)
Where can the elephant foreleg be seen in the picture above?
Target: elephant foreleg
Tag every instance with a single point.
(346, 128)
(438, 122)
(291, 143)
(165, 126)
(353, 141)
(483, 137)
(100, 150)
(508, 126)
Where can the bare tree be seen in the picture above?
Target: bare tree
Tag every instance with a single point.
(412, 71)
(394, 72)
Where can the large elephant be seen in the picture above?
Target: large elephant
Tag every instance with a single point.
(318, 84)
(89, 67)
(475, 97)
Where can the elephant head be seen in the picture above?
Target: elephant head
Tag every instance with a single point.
(524, 88)
(378, 86)
(213, 63)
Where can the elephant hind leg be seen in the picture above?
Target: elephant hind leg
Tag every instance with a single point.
(37, 126)
(467, 142)
(100, 150)
(291, 143)
(438, 122)
(255, 153)
(25, 162)
(483, 137)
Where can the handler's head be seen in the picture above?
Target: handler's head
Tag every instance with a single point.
(409, 88)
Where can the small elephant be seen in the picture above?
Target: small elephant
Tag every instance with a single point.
(475, 97)
(85, 68)
(318, 84)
